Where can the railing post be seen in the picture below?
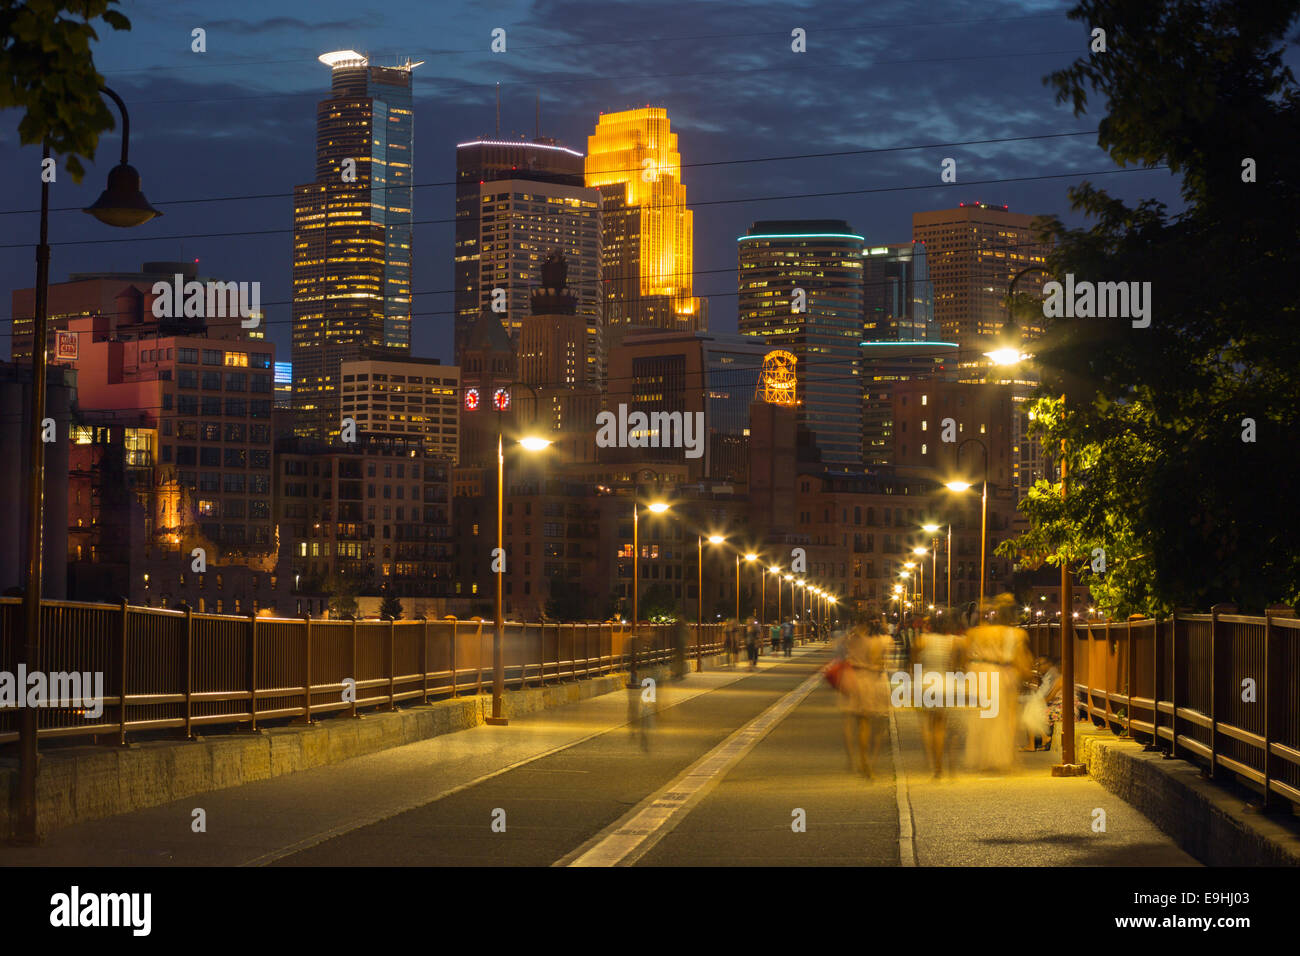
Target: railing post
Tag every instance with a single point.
(1218, 650)
(354, 668)
(189, 672)
(121, 722)
(1105, 667)
(306, 677)
(1157, 636)
(1269, 684)
(453, 658)
(541, 652)
(252, 668)
(1173, 681)
(424, 662)
(1128, 679)
(392, 664)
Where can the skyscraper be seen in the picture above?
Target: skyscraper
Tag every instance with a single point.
(516, 203)
(897, 294)
(647, 251)
(800, 285)
(352, 234)
(974, 251)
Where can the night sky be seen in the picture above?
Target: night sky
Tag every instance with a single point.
(239, 120)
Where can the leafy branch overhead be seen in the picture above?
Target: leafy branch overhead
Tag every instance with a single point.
(1182, 434)
(46, 70)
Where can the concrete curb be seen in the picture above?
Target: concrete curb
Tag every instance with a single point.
(1205, 819)
(75, 785)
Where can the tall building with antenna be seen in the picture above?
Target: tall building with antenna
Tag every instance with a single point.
(352, 234)
(648, 233)
(519, 201)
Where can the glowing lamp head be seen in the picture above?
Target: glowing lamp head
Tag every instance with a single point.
(1004, 356)
(930, 528)
(957, 485)
(535, 443)
(658, 507)
(751, 557)
(716, 539)
(920, 551)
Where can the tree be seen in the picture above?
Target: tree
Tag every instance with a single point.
(46, 69)
(342, 591)
(390, 605)
(1162, 474)
(657, 605)
(566, 602)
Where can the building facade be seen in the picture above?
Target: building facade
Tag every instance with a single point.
(800, 289)
(352, 234)
(647, 252)
(407, 397)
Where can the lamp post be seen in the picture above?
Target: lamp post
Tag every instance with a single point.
(776, 569)
(699, 604)
(1010, 354)
(984, 505)
(920, 555)
(529, 443)
(123, 205)
(750, 558)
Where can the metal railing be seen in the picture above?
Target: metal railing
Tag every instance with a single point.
(182, 669)
(1222, 689)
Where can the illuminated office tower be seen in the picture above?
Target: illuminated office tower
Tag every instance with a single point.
(516, 203)
(974, 251)
(800, 285)
(897, 294)
(352, 234)
(647, 231)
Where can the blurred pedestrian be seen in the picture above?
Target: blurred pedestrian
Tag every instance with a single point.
(787, 637)
(1000, 660)
(937, 650)
(864, 696)
(752, 638)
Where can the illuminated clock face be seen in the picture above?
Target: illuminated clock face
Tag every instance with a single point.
(471, 399)
(501, 399)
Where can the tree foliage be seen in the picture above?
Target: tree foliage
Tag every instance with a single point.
(1159, 475)
(46, 69)
(390, 605)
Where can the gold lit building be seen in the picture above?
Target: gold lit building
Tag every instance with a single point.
(647, 250)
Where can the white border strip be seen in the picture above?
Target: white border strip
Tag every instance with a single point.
(631, 837)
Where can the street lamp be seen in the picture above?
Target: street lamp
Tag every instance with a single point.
(921, 553)
(699, 604)
(532, 444)
(121, 204)
(961, 486)
(749, 559)
(776, 569)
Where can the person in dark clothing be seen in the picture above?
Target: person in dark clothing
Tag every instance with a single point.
(752, 637)
(787, 637)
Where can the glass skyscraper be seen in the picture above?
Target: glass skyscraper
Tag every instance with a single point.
(822, 259)
(352, 234)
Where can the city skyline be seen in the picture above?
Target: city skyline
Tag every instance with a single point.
(454, 101)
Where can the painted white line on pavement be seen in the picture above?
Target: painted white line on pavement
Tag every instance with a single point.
(906, 843)
(367, 820)
(636, 833)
